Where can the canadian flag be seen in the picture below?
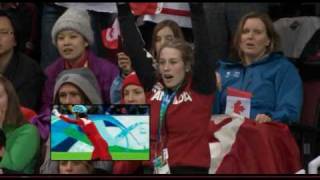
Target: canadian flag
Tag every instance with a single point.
(238, 102)
(153, 11)
(146, 8)
(110, 35)
(242, 146)
(178, 12)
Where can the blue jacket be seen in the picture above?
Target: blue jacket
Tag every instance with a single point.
(273, 81)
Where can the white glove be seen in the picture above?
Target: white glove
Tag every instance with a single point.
(56, 112)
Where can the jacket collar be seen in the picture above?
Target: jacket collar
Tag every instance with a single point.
(267, 58)
(91, 57)
(182, 86)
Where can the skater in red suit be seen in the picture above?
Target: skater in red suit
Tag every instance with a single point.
(101, 148)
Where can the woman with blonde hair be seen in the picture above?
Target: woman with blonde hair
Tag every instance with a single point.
(73, 86)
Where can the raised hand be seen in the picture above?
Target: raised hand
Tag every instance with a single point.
(124, 62)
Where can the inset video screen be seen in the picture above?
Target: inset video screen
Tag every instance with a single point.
(100, 132)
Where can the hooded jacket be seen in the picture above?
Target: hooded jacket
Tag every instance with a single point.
(273, 81)
(84, 79)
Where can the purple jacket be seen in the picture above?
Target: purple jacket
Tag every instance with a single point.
(104, 71)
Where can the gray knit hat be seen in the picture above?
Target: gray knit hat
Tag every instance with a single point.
(73, 19)
(84, 79)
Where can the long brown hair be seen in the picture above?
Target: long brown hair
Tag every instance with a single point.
(14, 115)
(177, 32)
(236, 52)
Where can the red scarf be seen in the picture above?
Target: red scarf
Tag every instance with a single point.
(82, 62)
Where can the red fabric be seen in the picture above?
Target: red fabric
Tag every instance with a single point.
(216, 127)
(177, 12)
(100, 146)
(125, 167)
(110, 36)
(83, 62)
(144, 8)
(153, 8)
(238, 93)
(100, 151)
(27, 113)
(260, 148)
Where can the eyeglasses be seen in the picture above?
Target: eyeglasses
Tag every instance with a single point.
(5, 32)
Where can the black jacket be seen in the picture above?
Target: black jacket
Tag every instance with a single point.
(27, 78)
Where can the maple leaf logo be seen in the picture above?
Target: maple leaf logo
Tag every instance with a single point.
(238, 107)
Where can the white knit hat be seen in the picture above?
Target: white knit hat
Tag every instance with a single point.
(73, 19)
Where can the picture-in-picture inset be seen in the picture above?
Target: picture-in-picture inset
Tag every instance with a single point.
(100, 132)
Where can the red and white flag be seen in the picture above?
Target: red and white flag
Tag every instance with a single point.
(243, 146)
(110, 35)
(238, 102)
(153, 11)
(178, 12)
(146, 8)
